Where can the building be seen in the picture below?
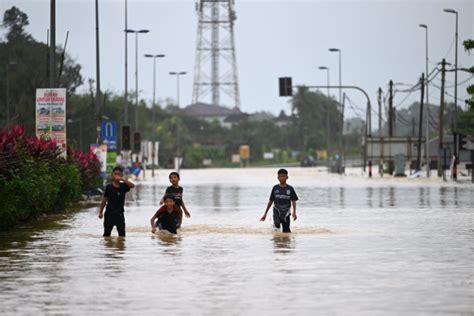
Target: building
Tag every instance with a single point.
(210, 112)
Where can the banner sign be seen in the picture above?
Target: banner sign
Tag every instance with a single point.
(101, 152)
(51, 116)
(109, 134)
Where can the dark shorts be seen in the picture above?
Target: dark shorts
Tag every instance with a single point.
(167, 223)
(114, 219)
(281, 218)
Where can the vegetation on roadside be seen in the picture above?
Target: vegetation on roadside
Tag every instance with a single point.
(35, 178)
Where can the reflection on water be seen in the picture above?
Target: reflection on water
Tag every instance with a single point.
(359, 246)
(283, 243)
(116, 244)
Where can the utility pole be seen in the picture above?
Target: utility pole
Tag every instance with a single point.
(441, 116)
(422, 83)
(394, 120)
(390, 123)
(379, 100)
(341, 141)
(97, 93)
(125, 109)
(390, 109)
(52, 54)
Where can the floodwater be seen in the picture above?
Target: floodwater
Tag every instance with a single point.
(360, 246)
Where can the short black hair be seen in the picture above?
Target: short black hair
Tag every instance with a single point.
(117, 168)
(174, 173)
(167, 197)
(283, 171)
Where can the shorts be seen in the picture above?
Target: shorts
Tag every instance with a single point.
(167, 223)
(114, 219)
(282, 218)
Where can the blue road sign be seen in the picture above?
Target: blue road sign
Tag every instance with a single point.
(109, 134)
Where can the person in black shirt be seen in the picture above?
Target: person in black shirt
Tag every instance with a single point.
(177, 192)
(114, 198)
(282, 197)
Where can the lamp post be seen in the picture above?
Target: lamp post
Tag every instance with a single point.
(340, 79)
(125, 109)
(327, 114)
(338, 50)
(455, 68)
(177, 74)
(136, 32)
(427, 102)
(153, 110)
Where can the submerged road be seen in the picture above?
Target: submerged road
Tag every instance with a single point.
(360, 246)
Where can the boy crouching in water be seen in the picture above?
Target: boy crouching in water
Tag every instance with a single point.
(282, 196)
(167, 217)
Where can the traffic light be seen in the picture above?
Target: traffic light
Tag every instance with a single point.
(136, 142)
(126, 137)
(286, 88)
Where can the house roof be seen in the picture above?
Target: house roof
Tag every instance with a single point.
(210, 110)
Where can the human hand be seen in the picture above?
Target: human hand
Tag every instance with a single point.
(153, 230)
(263, 218)
(187, 214)
(294, 216)
(101, 214)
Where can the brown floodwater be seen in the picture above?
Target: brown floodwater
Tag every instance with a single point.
(360, 246)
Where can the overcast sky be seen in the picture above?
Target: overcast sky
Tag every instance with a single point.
(380, 40)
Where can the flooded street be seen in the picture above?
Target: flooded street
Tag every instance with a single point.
(360, 246)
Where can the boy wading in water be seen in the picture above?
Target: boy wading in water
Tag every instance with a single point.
(114, 198)
(177, 193)
(166, 217)
(282, 196)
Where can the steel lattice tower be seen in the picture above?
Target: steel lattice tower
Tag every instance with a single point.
(215, 67)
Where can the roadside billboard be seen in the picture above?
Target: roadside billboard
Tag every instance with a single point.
(51, 116)
(101, 152)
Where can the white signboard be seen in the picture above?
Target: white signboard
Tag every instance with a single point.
(51, 116)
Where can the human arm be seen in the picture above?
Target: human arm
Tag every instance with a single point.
(102, 206)
(179, 212)
(130, 184)
(294, 210)
(152, 223)
(270, 202)
(186, 212)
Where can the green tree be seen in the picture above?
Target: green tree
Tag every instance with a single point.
(24, 62)
(311, 110)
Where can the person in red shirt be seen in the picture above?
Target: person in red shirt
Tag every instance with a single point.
(167, 217)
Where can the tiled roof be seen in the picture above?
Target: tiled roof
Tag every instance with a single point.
(209, 110)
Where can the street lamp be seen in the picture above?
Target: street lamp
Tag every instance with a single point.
(7, 66)
(177, 74)
(427, 102)
(340, 79)
(340, 88)
(136, 32)
(327, 114)
(125, 109)
(327, 69)
(153, 110)
(455, 68)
